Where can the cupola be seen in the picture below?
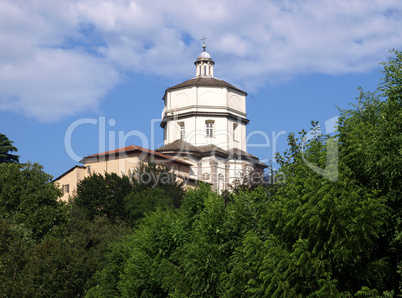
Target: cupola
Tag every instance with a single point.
(204, 64)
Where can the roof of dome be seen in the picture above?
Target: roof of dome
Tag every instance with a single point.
(205, 82)
(204, 55)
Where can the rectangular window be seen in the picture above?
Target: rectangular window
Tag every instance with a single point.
(65, 188)
(209, 129)
(182, 131)
(235, 132)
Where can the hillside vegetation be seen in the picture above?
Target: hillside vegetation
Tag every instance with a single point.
(334, 232)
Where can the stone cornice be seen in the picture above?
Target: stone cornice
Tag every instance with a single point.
(204, 114)
(207, 107)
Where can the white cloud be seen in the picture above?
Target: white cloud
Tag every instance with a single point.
(58, 58)
(55, 83)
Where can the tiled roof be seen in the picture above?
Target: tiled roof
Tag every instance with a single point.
(247, 155)
(205, 81)
(133, 148)
(185, 147)
(179, 145)
(241, 152)
(211, 148)
(261, 164)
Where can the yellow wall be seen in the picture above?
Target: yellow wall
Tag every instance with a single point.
(71, 179)
(120, 166)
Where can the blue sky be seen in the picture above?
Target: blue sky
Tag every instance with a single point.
(93, 61)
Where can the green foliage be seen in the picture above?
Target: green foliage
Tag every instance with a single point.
(90, 239)
(324, 236)
(103, 195)
(331, 238)
(151, 175)
(371, 135)
(367, 292)
(102, 210)
(43, 252)
(182, 253)
(139, 203)
(253, 179)
(6, 146)
(333, 229)
(109, 276)
(53, 269)
(106, 205)
(391, 85)
(28, 198)
(153, 186)
(29, 214)
(12, 259)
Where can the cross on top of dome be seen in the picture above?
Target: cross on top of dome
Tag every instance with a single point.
(203, 42)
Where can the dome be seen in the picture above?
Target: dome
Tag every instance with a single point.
(204, 55)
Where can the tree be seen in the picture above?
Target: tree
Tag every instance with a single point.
(104, 206)
(53, 268)
(5, 148)
(322, 237)
(13, 254)
(248, 180)
(29, 213)
(335, 232)
(326, 238)
(371, 134)
(30, 200)
(153, 186)
(103, 195)
(184, 252)
(144, 263)
(253, 179)
(152, 175)
(88, 240)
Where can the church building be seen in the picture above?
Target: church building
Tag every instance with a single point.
(204, 122)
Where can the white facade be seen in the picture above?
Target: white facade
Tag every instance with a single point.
(190, 110)
(209, 116)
